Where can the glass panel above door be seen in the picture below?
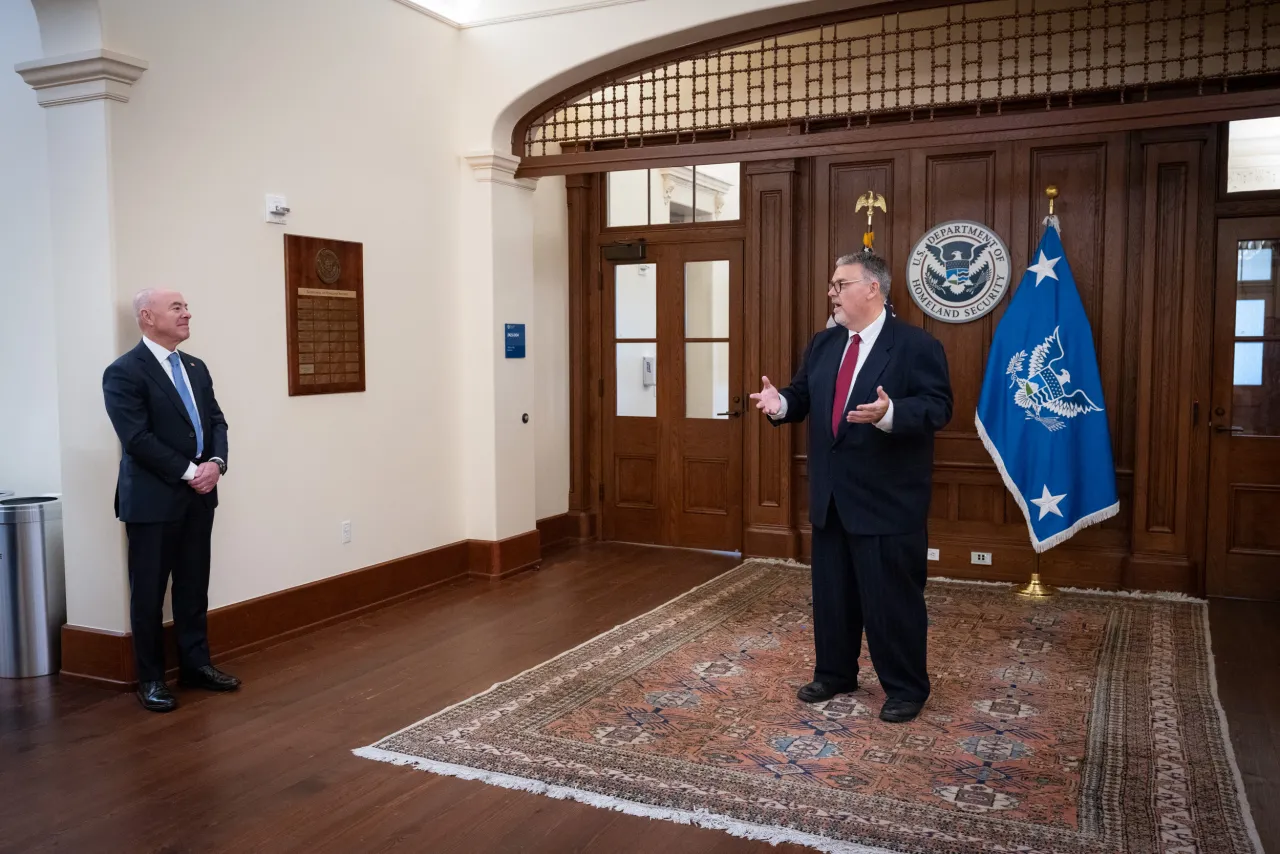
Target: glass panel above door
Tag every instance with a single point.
(674, 195)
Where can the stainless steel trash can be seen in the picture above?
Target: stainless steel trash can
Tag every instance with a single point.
(33, 600)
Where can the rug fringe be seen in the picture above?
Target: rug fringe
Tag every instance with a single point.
(701, 818)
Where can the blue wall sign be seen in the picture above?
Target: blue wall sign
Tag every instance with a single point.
(515, 340)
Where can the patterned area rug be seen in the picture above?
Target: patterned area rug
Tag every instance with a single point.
(1086, 725)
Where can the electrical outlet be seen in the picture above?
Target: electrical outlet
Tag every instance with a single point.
(346, 532)
(980, 558)
(933, 554)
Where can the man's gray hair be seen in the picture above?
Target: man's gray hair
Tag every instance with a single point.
(873, 265)
(141, 300)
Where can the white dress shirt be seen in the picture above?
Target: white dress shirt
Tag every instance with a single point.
(162, 356)
(868, 335)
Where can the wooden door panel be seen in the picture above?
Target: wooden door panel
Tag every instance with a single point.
(706, 464)
(1244, 535)
(634, 491)
(673, 451)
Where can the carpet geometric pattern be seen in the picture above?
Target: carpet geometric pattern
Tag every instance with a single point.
(1085, 725)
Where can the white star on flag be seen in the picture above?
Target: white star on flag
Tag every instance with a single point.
(1043, 267)
(1048, 503)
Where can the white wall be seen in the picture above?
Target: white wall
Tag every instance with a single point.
(358, 111)
(341, 106)
(29, 460)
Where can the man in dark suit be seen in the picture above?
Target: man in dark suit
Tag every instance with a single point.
(878, 389)
(174, 443)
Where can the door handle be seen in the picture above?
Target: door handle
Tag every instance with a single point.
(1225, 428)
(728, 414)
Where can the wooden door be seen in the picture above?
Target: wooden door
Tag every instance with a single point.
(674, 397)
(1244, 507)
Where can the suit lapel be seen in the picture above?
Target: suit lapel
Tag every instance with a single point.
(156, 374)
(825, 380)
(864, 387)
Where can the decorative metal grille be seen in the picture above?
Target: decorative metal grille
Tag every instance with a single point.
(978, 57)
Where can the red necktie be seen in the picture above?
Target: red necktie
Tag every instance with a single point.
(843, 380)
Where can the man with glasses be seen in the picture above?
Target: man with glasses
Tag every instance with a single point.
(878, 389)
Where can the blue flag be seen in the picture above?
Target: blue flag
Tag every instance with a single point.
(1041, 412)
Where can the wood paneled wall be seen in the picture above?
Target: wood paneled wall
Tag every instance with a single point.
(1132, 214)
(1137, 216)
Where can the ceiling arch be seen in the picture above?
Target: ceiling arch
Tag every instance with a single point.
(908, 61)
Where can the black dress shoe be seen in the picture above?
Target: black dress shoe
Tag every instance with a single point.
(209, 678)
(818, 690)
(155, 697)
(899, 711)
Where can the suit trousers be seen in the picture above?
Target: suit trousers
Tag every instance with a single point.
(873, 584)
(158, 551)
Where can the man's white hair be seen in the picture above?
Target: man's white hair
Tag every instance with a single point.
(141, 300)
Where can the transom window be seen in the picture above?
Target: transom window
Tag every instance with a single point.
(675, 194)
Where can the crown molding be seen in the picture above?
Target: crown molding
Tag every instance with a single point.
(511, 19)
(74, 78)
(492, 167)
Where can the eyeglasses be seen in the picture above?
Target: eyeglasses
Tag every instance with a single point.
(839, 285)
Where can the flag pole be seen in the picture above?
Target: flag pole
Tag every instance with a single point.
(1035, 588)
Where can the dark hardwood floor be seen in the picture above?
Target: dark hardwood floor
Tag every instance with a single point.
(270, 768)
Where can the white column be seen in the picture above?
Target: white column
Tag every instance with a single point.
(82, 91)
(496, 283)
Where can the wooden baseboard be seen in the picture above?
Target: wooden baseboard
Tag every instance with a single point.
(505, 558)
(770, 541)
(1171, 573)
(105, 659)
(573, 527)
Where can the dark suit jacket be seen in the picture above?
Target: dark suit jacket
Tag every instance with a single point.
(881, 482)
(157, 437)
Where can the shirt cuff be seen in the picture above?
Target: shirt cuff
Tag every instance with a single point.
(886, 423)
(191, 471)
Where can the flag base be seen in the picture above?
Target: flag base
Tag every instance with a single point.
(1036, 589)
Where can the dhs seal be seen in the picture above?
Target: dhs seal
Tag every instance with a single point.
(958, 271)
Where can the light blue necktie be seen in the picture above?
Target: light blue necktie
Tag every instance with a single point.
(175, 367)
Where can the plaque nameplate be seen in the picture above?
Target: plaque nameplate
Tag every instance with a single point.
(324, 292)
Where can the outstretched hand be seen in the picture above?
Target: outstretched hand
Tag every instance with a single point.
(870, 413)
(768, 400)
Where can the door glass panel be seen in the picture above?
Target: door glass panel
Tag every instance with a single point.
(629, 198)
(635, 303)
(706, 381)
(637, 388)
(706, 299)
(1255, 409)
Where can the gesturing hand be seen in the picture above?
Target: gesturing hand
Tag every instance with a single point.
(870, 413)
(768, 400)
(206, 478)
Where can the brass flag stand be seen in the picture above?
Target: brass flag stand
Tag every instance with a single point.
(1035, 588)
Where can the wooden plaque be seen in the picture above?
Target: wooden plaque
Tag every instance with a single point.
(324, 295)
